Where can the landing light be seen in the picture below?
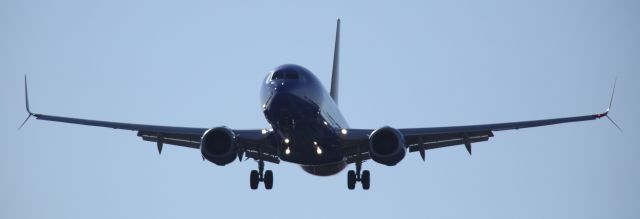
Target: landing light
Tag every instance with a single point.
(319, 150)
(287, 151)
(264, 131)
(343, 131)
(286, 140)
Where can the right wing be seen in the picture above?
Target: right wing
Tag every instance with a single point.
(181, 136)
(251, 143)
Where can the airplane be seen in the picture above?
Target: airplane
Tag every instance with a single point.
(308, 129)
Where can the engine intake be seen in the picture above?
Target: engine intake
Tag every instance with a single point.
(387, 146)
(218, 146)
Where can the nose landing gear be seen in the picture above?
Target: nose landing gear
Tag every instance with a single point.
(356, 176)
(260, 175)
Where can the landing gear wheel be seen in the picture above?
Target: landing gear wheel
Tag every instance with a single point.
(254, 179)
(260, 175)
(358, 175)
(268, 179)
(351, 180)
(365, 180)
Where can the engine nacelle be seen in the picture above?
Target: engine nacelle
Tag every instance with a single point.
(387, 146)
(218, 146)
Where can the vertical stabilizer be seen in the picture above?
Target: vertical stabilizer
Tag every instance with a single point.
(334, 73)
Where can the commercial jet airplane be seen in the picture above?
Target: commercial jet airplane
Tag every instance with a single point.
(308, 129)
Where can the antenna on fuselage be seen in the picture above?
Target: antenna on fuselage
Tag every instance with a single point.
(334, 73)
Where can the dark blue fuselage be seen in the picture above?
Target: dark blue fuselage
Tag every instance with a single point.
(304, 118)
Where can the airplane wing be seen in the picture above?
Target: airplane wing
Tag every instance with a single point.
(421, 139)
(181, 136)
(251, 143)
(437, 137)
(356, 141)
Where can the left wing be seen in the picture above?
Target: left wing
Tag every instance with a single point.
(420, 139)
(356, 142)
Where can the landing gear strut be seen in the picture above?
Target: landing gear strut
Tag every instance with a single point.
(260, 175)
(356, 176)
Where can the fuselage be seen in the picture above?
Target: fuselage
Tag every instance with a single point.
(305, 120)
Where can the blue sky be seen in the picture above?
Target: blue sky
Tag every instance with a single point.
(403, 63)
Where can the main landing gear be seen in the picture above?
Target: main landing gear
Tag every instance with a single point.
(260, 175)
(356, 176)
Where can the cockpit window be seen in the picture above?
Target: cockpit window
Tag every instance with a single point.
(290, 75)
(278, 75)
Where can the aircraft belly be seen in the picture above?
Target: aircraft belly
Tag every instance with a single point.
(325, 170)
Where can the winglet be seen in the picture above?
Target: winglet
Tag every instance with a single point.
(26, 97)
(613, 91)
(606, 113)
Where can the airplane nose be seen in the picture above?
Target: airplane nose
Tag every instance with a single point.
(278, 96)
(284, 93)
(285, 86)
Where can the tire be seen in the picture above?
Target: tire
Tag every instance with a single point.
(366, 180)
(254, 179)
(268, 179)
(351, 180)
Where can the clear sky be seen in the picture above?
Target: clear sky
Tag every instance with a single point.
(403, 63)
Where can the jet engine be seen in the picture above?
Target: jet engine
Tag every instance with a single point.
(387, 146)
(218, 146)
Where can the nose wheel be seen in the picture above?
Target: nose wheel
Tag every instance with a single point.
(364, 177)
(260, 175)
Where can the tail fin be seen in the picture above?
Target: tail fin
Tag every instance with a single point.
(334, 73)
